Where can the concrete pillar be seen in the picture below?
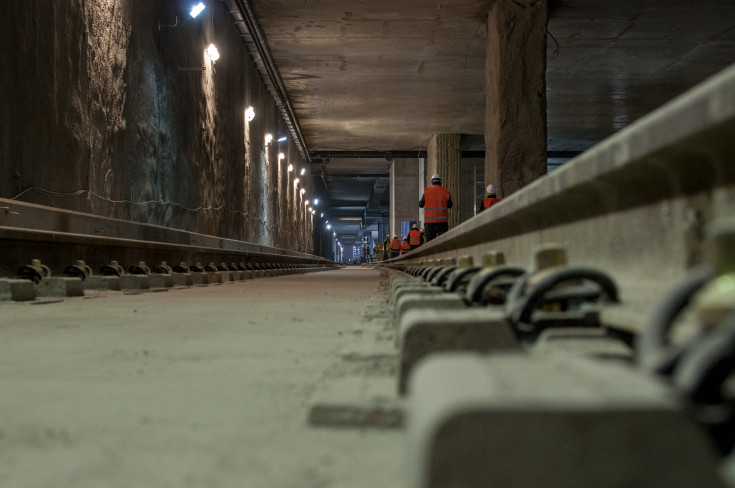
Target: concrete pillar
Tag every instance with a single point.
(422, 186)
(404, 206)
(515, 94)
(443, 157)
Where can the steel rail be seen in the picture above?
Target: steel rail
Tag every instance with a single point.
(61, 237)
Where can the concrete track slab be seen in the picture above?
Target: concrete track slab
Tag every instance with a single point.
(196, 387)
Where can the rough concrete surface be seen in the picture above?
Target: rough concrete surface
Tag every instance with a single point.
(96, 115)
(198, 387)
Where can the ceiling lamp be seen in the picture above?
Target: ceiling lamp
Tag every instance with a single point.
(290, 168)
(213, 53)
(303, 170)
(196, 10)
(282, 139)
(268, 139)
(296, 182)
(249, 114)
(281, 156)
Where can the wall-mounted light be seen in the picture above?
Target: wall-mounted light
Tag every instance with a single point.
(306, 202)
(303, 191)
(316, 201)
(196, 10)
(283, 139)
(303, 170)
(249, 114)
(213, 53)
(281, 156)
(296, 182)
(290, 168)
(329, 227)
(268, 139)
(334, 234)
(321, 215)
(311, 210)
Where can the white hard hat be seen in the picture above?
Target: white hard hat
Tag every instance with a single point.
(491, 189)
(436, 176)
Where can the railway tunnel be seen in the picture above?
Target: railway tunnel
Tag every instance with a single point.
(192, 210)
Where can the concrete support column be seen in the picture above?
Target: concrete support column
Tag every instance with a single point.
(443, 157)
(515, 93)
(404, 206)
(422, 186)
(392, 226)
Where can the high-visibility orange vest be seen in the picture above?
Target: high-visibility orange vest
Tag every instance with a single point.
(489, 202)
(414, 238)
(405, 246)
(435, 205)
(395, 245)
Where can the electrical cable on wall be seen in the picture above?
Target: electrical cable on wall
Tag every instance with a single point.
(149, 202)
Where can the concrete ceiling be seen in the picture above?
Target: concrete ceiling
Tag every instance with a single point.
(378, 75)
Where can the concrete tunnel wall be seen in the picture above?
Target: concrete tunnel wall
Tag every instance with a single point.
(96, 117)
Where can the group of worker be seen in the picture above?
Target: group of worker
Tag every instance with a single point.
(436, 202)
(395, 247)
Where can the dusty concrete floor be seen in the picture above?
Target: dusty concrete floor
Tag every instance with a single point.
(200, 387)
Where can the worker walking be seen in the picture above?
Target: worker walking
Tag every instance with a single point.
(395, 247)
(405, 246)
(415, 239)
(436, 202)
(490, 199)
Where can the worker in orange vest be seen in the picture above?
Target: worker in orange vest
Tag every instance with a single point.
(415, 239)
(436, 202)
(405, 246)
(491, 198)
(395, 247)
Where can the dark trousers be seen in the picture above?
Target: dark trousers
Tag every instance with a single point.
(435, 230)
(394, 254)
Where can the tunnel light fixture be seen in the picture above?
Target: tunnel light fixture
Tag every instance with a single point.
(303, 191)
(313, 211)
(290, 168)
(303, 170)
(249, 114)
(321, 215)
(281, 156)
(329, 227)
(196, 10)
(213, 53)
(296, 182)
(306, 202)
(334, 234)
(268, 139)
(283, 139)
(316, 201)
